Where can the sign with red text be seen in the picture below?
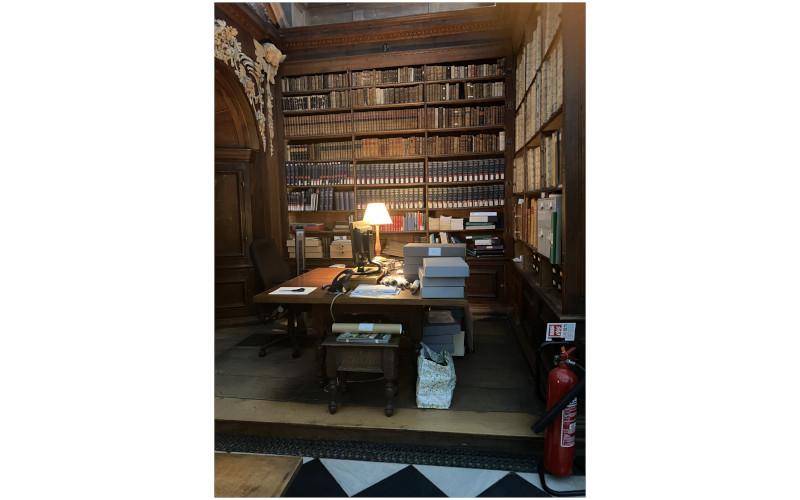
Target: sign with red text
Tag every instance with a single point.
(560, 331)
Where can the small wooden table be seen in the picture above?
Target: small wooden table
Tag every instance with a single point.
(363, 358)
(253, 475)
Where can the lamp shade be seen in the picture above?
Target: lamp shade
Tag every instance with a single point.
(376, 213)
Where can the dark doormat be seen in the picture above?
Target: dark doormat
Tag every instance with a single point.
(375, 452)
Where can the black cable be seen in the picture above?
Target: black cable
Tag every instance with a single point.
(552, 492)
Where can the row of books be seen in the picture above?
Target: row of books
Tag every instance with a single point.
(466, 196)
(397, 146)
(393, 95)
(519, 129)
(529, 59)
(545, 97)
(533, 169)
(467, 116)
(318, 174)
(539, 168)
(314, 82)
(331, 100)
(389, 146)
(532, 229)
(485, 245)
(469, 90)
(489, 169)
(552, 20)
(390, 173)
(552, 86)
(341, 150)
(379, 76)
(455, 71)
(466, 143)
(392, 119)
(339, 123)
(396, 198)
(411, 221)
(477, 221)
(310, 200)
(518, 178)
(551, 147)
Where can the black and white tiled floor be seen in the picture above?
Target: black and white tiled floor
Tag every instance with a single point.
(347, 478)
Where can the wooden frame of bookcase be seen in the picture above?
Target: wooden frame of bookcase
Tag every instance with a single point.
(428, 58)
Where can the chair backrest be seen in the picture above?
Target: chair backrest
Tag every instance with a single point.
(269, 262)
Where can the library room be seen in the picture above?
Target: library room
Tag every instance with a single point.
(399, 249)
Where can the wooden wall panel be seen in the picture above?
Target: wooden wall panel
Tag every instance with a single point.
(486, 281)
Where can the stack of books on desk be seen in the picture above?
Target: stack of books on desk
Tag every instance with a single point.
(442, 332)
(443, 277)
(313, 248)
(485, 245)
(413, 253)
(482, 221)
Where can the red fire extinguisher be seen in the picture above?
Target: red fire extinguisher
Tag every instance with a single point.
(559, 437)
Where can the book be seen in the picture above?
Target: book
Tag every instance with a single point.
(364, 338)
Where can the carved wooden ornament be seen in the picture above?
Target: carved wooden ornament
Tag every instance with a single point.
(251, 73)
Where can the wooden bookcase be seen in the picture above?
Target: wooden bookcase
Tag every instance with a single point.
(488, 280)
(543, 291)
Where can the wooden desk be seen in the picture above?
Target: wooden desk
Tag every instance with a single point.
(253, 475)
(403, 308)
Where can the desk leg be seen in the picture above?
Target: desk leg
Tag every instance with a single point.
(293, 323)
(391, 390)
(320, 319)
(390, 372)
(333, 385)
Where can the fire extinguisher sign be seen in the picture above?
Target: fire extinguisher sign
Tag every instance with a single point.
(560, 331)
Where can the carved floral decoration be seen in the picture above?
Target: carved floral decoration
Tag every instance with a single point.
(251, 73)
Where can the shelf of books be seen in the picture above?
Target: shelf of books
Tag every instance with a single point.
(537, 220)
(427, 140)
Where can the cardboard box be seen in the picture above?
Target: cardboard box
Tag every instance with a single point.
(421, 250)
(428, 281)
(341, 249)
(455, 347)
(445, 267)
(442, 292)
(307, 242)
(309, 255)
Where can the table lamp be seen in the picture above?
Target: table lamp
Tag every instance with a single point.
(376, 214)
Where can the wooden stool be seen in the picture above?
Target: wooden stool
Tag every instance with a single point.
(363, 358)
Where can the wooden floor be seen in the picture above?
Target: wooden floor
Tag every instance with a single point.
(238, 475)
(494, 395)
(504, 424)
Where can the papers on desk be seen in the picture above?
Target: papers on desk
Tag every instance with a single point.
(293, 290)
(374, 291)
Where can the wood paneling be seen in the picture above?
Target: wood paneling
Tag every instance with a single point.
(486, 281)
(233, 291)
(573, 20)
(232, 214)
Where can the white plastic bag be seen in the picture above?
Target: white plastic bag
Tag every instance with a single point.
(436, 378)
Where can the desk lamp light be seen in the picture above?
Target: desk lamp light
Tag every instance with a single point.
(376, 214)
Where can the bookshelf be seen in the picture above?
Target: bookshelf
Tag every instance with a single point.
(548, 161)
(456, 124)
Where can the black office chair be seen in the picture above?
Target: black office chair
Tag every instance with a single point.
(272, 271)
